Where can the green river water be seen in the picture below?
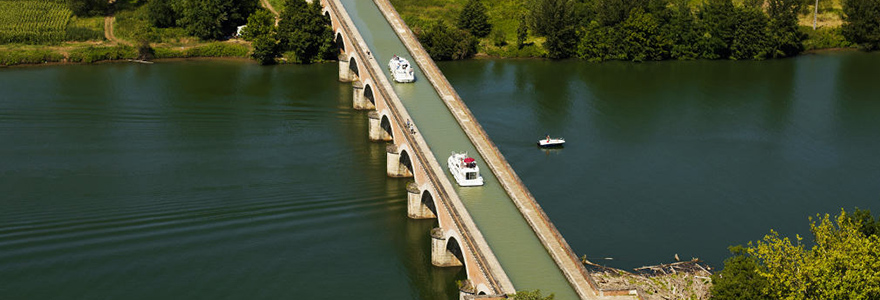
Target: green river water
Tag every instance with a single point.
(226, 180)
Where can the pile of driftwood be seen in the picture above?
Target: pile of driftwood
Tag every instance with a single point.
(679, 280)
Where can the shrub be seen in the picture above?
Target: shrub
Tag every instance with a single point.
(216, 49)
(93, 54)
(824, 38)
(445, 43)
(15, 57)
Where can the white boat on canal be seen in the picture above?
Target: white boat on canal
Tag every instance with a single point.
(464, 169)
(401, 70)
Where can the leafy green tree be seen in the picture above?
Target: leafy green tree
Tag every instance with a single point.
(862, 23)
(259, 24)
(555, 20)
(214, 19)
(88, 8)
(261, 31)
(161, 13)
(719, 18)
(684, 29)
(641, 37)
(740, 279)
(844, 263)
(498, 38)
(612, 12)
(522, 32)
(598, 43)
(784, 37)
(473, 18)
(749, 34)
(305, 31)
(870, 226)
(265, 49)
(445, 43)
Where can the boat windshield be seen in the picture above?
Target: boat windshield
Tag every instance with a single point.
(471, 175)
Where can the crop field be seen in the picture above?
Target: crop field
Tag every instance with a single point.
(33, 21)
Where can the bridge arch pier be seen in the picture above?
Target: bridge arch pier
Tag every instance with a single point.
(363, 97)
(445, 249)
(380, 127)
(420, 204)
(345, 72)
(398, 163)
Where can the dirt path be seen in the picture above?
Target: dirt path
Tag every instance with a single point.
(271, 9)
(108, 29)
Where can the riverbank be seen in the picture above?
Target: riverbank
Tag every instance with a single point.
(507, 17)
(91, 52)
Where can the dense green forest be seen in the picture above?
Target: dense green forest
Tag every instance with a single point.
(641, 30)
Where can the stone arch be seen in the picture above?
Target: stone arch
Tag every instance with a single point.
(340, 41)
(482, 289)
(428, 201)
(368, 94)
(406, 161)
(385, 124)
(353, 66)
(454, 248)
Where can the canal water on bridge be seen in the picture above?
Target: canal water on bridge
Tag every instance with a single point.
(200, 180)
(684, 157)
(521, 254)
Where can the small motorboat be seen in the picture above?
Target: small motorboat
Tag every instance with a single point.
(551, 142)
(401, 70)
(464, 169)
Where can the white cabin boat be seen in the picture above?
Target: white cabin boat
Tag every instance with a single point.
(551, 142)
(401, 70)
(465, 170)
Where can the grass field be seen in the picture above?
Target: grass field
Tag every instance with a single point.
(277, 4)
(503, 15)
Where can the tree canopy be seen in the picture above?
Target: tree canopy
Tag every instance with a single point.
(844, 263)
(305, 31)
(261, 31)
(88, 8)
(556, 20)
(214, 19)
(447, 43)
(862, 24)
(473, 18)
(161, 13)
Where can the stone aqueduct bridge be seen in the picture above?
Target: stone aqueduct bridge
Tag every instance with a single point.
(457, 241)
